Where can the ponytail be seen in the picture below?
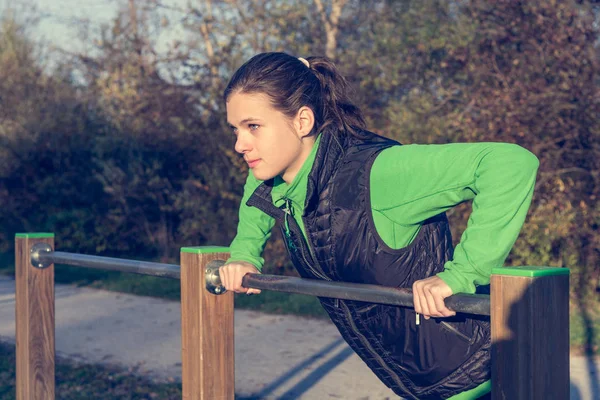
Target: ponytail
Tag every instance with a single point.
(338, 111)
(290, 85)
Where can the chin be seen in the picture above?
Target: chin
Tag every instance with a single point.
(262, 175)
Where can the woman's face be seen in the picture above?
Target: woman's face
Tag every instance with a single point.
(271, 143)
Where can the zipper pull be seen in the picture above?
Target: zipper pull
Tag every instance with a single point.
(287, 206)
(288, 211)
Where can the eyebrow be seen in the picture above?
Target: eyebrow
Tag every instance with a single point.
(245, 120)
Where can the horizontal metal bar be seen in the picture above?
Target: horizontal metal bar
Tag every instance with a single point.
(464, 303)
(112, 264)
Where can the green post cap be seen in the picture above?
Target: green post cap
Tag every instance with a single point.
(205, 249)
(530, 272)
(36, 235)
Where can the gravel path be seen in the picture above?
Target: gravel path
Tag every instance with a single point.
(276, 357)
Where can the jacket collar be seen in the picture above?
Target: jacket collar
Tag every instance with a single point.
(330, 153)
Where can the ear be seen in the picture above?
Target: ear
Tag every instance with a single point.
(304, 121)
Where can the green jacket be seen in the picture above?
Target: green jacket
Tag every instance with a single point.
(412, 183)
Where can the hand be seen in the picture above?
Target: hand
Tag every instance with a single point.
(231, 276)
(429, 295)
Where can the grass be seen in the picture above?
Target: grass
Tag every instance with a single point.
(76, 381)
(585, 326)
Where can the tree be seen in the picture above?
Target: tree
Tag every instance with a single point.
(533, 80)
(44, 175)
(146, 131)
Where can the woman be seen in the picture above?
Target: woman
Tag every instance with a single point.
(358, 207)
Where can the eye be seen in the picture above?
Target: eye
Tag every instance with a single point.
(253, 127)
(233, 129)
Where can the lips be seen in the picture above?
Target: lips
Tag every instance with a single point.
(253, 163)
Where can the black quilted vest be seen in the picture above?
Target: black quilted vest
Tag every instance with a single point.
(434, 360)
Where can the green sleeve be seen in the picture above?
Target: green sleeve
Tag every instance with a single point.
(254, 229)
(412, 183)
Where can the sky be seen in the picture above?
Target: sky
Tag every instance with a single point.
(60, 19)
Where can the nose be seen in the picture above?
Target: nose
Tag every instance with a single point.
(242, 143)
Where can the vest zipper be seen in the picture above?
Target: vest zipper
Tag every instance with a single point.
(372, 351)
(294, 227)
(269, 208)
(317, 270)
(288, 212)
(457, 332)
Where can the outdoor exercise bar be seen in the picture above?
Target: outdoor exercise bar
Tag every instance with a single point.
(528, 308)
(42, 255)
(465, 303)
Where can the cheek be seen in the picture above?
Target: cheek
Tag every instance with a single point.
(278, 147)
(287, 150)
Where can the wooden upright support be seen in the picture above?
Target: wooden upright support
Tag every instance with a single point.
(530, 333)
(206, 330)
(34, 318)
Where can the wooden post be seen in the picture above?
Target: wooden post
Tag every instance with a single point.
(530, 333)
(206, 330)
(34, 318)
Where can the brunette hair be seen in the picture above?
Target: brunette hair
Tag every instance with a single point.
(290, 85)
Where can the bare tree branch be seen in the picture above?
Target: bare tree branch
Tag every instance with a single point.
(331, 24)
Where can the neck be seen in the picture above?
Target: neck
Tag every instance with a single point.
(290, 173)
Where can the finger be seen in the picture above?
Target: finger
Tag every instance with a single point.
(423, 301)
(253, 291)
(416, 300)
(224, 277)
(441, 306)
(230, 278)
(430, 298)
(430, 305)
(241, 273)
(238, 283)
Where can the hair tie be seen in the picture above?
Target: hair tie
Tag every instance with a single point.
(304, 61)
